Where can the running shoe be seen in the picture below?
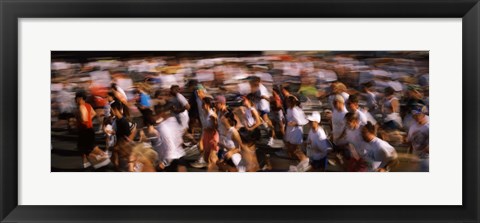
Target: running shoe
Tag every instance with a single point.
(270, 142)
(86, 165)
(199, 163)
(304, 165)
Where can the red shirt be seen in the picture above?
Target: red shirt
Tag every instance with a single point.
(86, 124)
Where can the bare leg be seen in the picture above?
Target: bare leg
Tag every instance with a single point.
(212, 162)
(269, 123)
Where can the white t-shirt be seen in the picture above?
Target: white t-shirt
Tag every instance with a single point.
(207, 119)
(229, 143)
(263, 104)
(122, 92)
(362, 117)
(181, 99)
(249, 116)
(319, 144)
(169, 144)
(381, 151)
(183, 116)
(354, 137)
(294, 134)
(264, 76)
(338, 122)
(418, 136)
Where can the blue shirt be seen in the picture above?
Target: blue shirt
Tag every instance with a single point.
(144, 100)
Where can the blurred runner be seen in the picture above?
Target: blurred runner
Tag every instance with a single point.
(294, 133)
(352, 139)
(230, 154)
(91, 154)
(418, 136)
(168, 143)
(143, 158)
(352, 106)
(338, 121)
(210, 138)
(262, 102)
(317, 143)
(384, 157)
(391, 110)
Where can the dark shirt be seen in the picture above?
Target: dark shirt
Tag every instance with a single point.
(123, 129)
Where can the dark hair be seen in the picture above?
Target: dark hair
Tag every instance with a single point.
(352, 99)
(251, 97)
(370, 128)
(368, 84)
(294, 99)
(111, 94)
(174, 87)
(254, 79)
(192, 82)
(81, 94)
(114, 86)
(351, 116)
(157, 93)
(389, 91)
(208, 101)
(231, 118)
(117, 105)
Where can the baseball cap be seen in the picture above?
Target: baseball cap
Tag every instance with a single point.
(315, 117)
(220, 99)
(419, 109)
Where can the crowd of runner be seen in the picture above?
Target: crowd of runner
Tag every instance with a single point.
(307, 109)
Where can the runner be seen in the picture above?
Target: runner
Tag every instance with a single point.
(122, 97)
(168, 143)
(391, 110)
(124, 132)
(370, 97)
(209, 140)
(262, 102)
(418, 136)
(352, 106)
(180, 106)
(251, 117)
(277, 107)
(338, 117)
(230, 154)
(198, 114)
(383, 156)
(352, 140)
(91, 154)
(338, 88)
(221, 108)
(317, 143)
(143, 158)
(294, 133)
(144, 105)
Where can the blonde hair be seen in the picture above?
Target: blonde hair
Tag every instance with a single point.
(145, 151)
(339, 87)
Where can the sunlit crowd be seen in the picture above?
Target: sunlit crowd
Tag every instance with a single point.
(314, 111)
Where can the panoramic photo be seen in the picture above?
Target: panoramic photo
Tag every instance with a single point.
(239, 111)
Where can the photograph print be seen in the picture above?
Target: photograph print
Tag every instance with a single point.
(240, 111)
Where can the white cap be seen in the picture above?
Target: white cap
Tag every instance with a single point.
(315, 117)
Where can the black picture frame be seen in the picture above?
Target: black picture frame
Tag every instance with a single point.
(11, 11)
